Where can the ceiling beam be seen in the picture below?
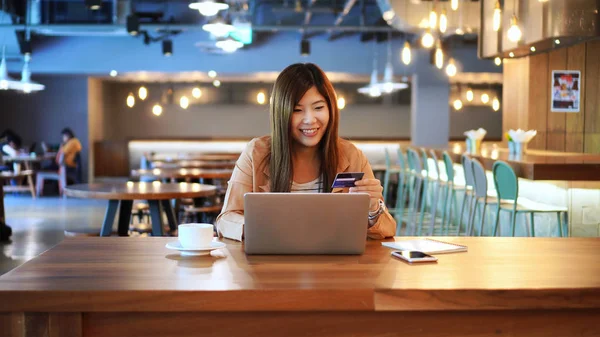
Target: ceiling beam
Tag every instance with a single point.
(347, 7)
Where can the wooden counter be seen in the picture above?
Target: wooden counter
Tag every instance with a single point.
(137, 287)
(540, 165)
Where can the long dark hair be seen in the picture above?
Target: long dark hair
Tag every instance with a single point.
(289, 88)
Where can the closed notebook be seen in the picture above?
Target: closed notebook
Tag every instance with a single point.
(427, 246)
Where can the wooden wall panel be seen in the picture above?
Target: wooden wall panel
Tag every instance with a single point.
(539, 100)
(111, 159)
(592, 143)
(515, 94)
(576, 60)
(592, 89)
(555, 141)
(557, 121)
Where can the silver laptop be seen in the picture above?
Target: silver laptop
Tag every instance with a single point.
(305, 223)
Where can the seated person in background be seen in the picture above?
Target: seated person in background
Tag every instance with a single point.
(303, 153)
(68, 150)
(11, 146)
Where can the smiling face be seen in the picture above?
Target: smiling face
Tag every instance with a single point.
(309, 119)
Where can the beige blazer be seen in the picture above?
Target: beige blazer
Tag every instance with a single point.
(249, 177)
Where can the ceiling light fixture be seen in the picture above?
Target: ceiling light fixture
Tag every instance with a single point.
(389, 85)
(496, 104)
(372, 89)
(196, 92)
(389, 15)
(113, 73)
(454, 5)
(5, 80)
(406, 53)
(511, 54)
(93, 5)
(130, 100)
(470, 95)
(157, 110)
(218, 27)
(341, 103)
(443, 22)
(261, 98)
(514, 32)
(212, 74)
(142, 93)
(485, 98)
(167, 47)
(217, 83)
(498, 61)
(304, 47)
(229, 45)
(497, 17)
(458, 104)
(209, 7)
(557, 41)
(427, 40)
(532, 49)
(133, 25)
(451, 68)
(184, 102)
(27, 85)
(432, 19)
(439, 55)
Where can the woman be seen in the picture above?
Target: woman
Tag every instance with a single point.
(303, 153)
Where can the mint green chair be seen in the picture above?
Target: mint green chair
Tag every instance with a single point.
(452, 204)
(507, 187)
(390, 170)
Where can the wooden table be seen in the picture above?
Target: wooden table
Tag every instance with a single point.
(136, 287)
(537, 164)
(214, 156)
(28, 174)
(121, 196)
(26, 160)
(183, 173)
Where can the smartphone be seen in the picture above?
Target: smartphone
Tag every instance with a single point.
(346, 179)
(413, 256)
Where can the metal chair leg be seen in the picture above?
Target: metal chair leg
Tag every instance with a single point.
(513, 222)
(560, 225)
(482, 220)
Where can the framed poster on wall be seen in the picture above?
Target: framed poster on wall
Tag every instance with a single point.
(566, 85)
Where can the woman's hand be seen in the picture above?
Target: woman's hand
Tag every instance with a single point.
(373, 188)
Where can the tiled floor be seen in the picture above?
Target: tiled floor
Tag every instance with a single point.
(39, 224)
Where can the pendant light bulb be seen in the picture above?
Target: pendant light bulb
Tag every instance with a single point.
(406, 53)
(432, 19)
(454, 5)
(261, 98)
(427, 41)
(496, 104)
(497, 17)
(443, 22)
(143, 93)
(130, 100)
(498, 61)
(514, 32)
(439, 56)
(196, 92)
(458, 104)
(184, 102)
(157, 109)
(470, 95)
(341, 103)
(451, 69)
(485, 98)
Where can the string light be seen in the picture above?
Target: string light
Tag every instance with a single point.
(196, 92)
(130, 100)
(184, 102)
(406, 53)
(439, 55)
(143, 93)
(497, 18)
(514, 32)
(443, 22)
(427, 40)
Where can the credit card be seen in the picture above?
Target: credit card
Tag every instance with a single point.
(346, 179)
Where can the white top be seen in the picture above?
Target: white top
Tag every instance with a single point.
(9, 150)
(315, 186)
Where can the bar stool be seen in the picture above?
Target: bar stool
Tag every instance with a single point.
(507, 187)
(439, 187)
(415, 187)
(482, 199)
(468, 195)
(453, 188)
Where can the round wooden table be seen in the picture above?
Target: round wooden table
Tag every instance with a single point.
(224, 164)
(123, 194)
(183, 173)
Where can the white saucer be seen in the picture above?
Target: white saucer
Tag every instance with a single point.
(176, 245)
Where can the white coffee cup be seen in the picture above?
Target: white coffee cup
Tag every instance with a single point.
(195, 235)
(17, 168)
